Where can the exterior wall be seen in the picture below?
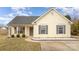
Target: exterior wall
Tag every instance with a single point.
(52, 19)
(9, 31)
(12, 30)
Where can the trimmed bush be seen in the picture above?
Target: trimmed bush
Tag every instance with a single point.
(23, 35)
(18, 35)
(12, 36)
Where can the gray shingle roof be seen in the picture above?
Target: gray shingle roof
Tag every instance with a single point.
(23, 20)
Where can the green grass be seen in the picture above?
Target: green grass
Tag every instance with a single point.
(15, 44)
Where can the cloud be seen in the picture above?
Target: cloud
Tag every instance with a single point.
(16, 11)
(73, 12)
(21, 11)
(2, 18)
(5, 19)
(18, 8)
(64, 10)
(30, 12)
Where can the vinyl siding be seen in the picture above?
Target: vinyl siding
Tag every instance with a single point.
(52, 19)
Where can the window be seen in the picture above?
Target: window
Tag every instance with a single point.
(43, 29)
(60, 29)
(21, 29)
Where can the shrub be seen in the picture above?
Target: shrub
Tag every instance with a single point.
(74, 33)
(23, 35)
(18, 35)
(12, 36)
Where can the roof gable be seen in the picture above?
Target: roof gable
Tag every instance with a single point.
(50, 11)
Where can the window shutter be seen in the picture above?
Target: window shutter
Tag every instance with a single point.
(64, 29)
(56, 29)
(46, 29)
(39, 29)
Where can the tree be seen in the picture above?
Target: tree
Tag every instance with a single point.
(75, 28)
(67, 16)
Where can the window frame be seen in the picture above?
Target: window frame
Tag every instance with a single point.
(21, 29)
(43, 28)
(61, 29)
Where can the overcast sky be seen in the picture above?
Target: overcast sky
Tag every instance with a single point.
(8, 13)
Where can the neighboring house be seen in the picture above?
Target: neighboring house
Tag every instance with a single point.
(50, 24)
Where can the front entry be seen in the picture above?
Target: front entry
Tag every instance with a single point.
(31, 31)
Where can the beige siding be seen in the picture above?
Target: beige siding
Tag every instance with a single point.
(26, 30)
(52, 19)
(9, 31)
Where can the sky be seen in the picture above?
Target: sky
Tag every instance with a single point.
(8, 13)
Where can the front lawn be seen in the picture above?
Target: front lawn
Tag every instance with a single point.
(17, 44)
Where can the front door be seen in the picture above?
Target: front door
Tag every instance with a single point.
(31, 31)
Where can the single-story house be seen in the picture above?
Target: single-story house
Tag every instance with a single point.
(50, 24)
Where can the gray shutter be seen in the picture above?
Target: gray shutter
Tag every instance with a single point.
(39, 29)
(64, 29)
(46, 29)
(56, 29)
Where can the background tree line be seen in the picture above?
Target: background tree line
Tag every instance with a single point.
(74, 26)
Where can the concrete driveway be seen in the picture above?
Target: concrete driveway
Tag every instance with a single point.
(67, 44)
(60, 46)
